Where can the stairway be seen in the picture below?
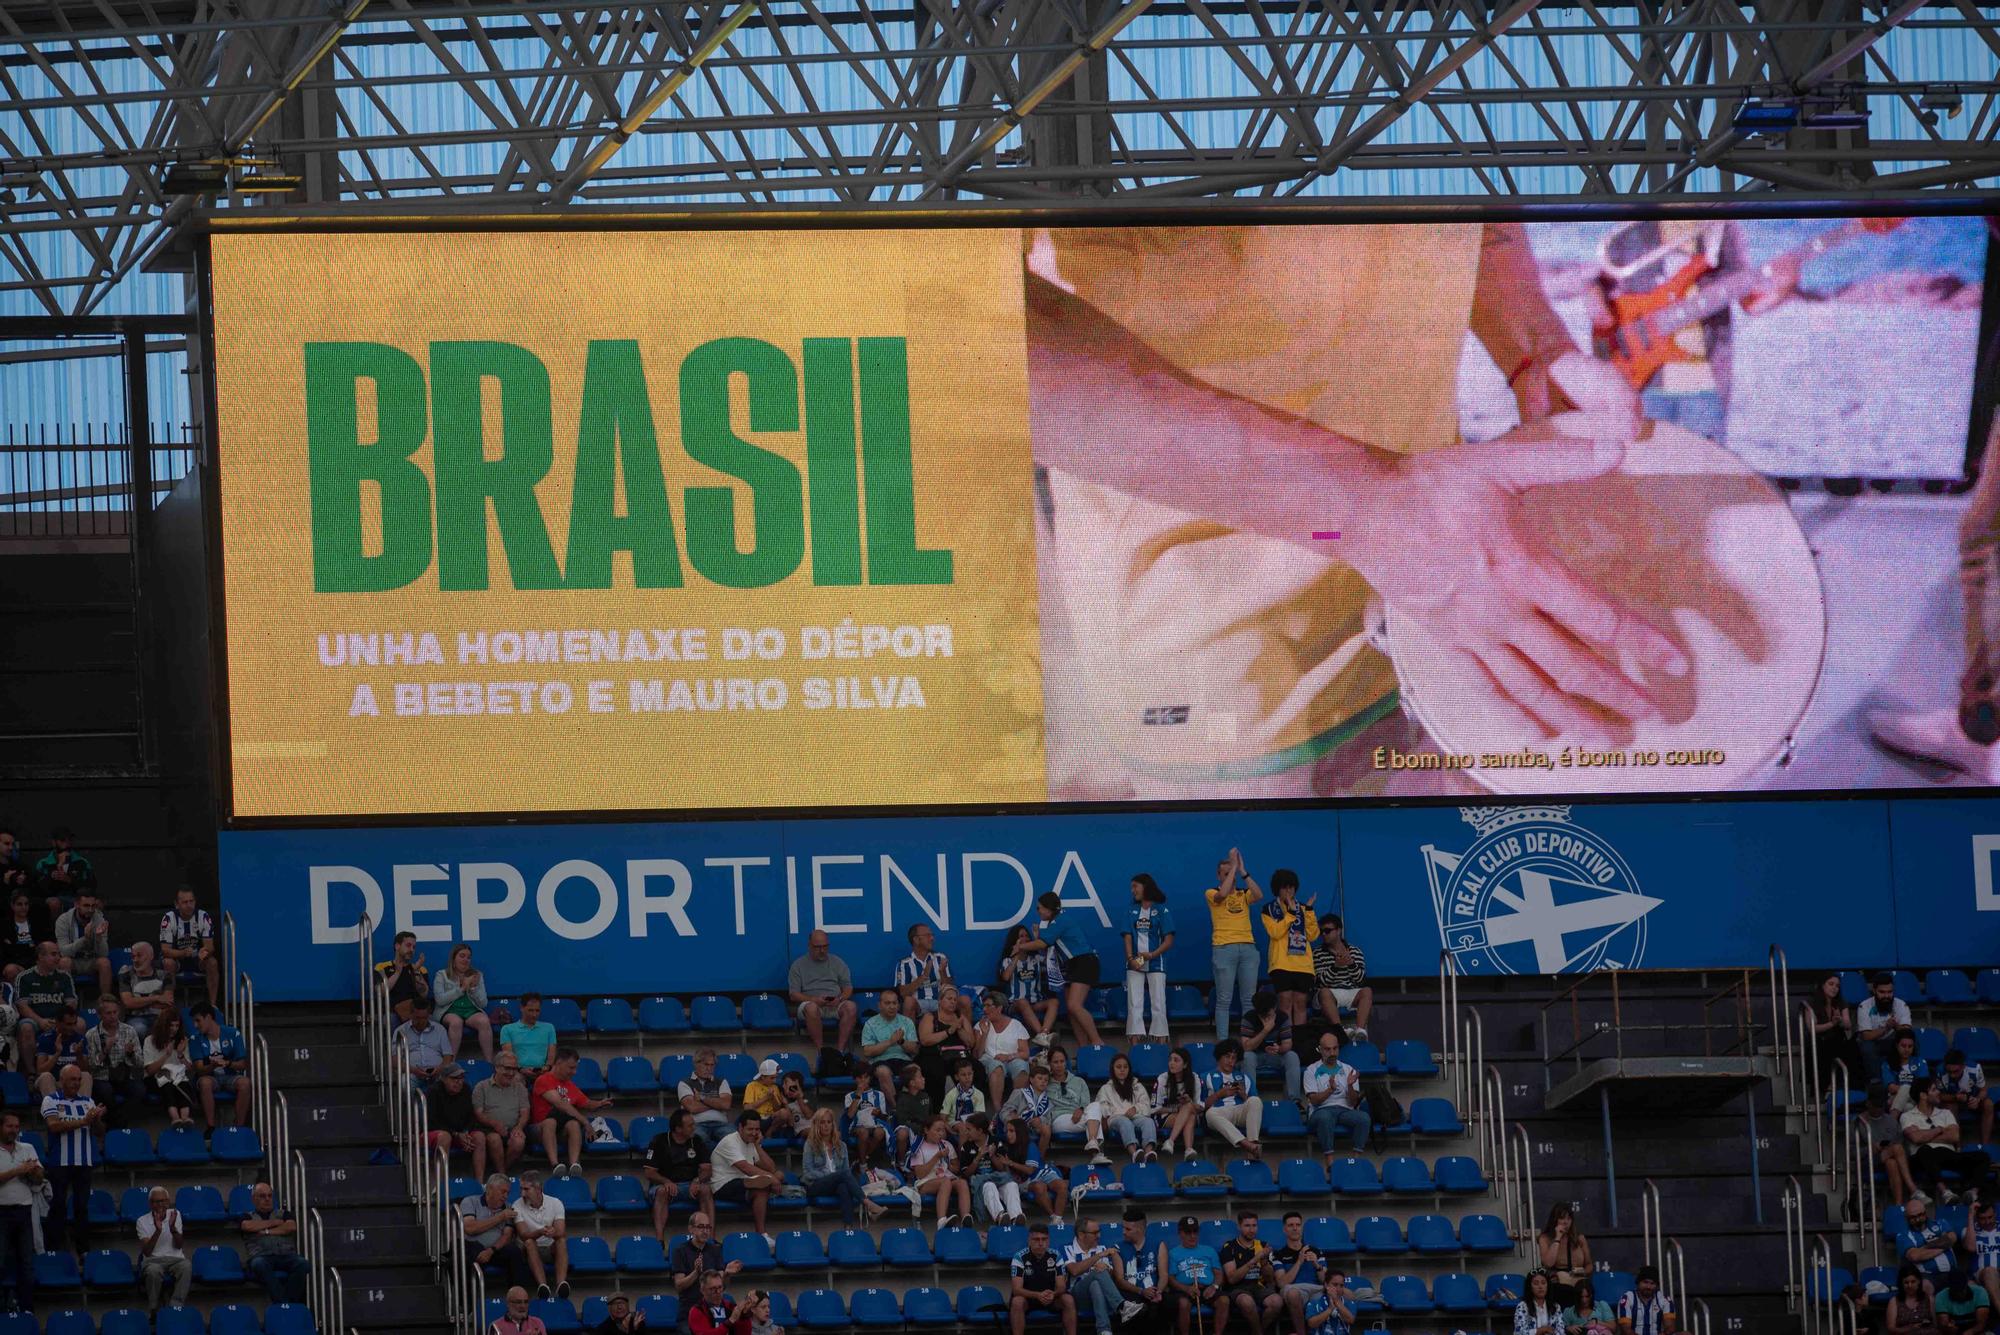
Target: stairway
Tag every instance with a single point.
(374, 1235)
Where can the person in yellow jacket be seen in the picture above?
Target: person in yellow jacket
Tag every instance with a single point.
(1290, 928)
(1232, 943)
(1203, 400)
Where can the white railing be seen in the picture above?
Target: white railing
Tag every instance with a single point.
(1792, 1205)
(1867, 1204)
(1674, 1274)
(1822, 1311)
(231, 977)
(465, 1283)
(1448, 1034)
(1701, 1321)
(1472, 1052)
(1521, 1159)
(338, 1299)
(1652, 1228)
(376, 1016)
(1781, 1010)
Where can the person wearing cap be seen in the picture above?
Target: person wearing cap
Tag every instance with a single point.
(454, 1122)
(619, 1317)
(1192, 1271)
(1885, 1139)
(763, 1097)
(1645, 1310)
(517, 1320)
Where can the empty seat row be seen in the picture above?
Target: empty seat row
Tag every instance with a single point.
(215, 1265)
(1939, 987)
(228, 1319)
(182, 1147)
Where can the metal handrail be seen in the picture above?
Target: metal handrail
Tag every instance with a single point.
(1864, 1190)
(294, 1176)
(321, 1272)
(1474, 1047)
(1652, 1226)
(1526, 1199)
(1812, 1099)
(230, 974)
(339, 1292)
(1674, 1273)
(1702, 1321)
(1447, 1012)
(1781, 1005)
(1792, 1205)
(1820, 1311)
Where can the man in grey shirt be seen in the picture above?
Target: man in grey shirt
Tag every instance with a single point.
(500, 1105)
(822, 989)
(83, 938)
(489, 1230)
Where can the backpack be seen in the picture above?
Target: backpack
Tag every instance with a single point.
(1384, 1108)
(835, 1064)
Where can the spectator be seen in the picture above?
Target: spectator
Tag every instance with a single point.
(424, 1041)
(864, 1114)
(1984, 1246)
(117, 1076)
(40, 994)
(824, 1170)
(1903, 1070)
(63, 872)
(1266, 1036)
(144, 989)
(677, 1166)
(21, 1175)
(1039, 1285)
(60, 1047)
(1232, 943)
(963, 1098)
(1341, 970)
(1538, 1313)
(707, 1097)
(1071, 1109)
(799, 1108)
(760, 1314)
(716, 1313)
(1129, 1112)
(1247, 1296)
(1072, 963)
(1333, 1099)
(542, 1225)
(74, 1123)
(83, 939)
(1300, 1275)
(620, 1319)
(1925, 1244)
(889, 1037)
(1589, 1314)
(913, 1109)
(162, 1250)
(530, 1038)
(1333, 1314)
(165, 1057)
(1910, 1311)
(945, 1037)
(1022, 976)
(270, 1236)
(822, 992)
(26, 927)
(488, 1221)
(1003, 1049)
(557, 1104)
(744, 1171)
(1092, 1269)
(403, 976)
(993, 1186)
(1932, 1135)
(187, 945)
(1291, 927)
(1177, 1100)
(1645, 1310)
(454, 1124)
(1230, 1105)
(1563, 1252)
(934, 1173)
(1149, 934)
(1192, 1271)
(763, 1097)
(1833, 1032)
(500, 1105)
(1014, 1153)
(1878, 1018)
(922, 973)
(1031, 1108)
(1963, 1308)
(460, 994)
(695, 1257)
(15, 874)
(518, 1320)
(221, 1061)
(1962, 1092)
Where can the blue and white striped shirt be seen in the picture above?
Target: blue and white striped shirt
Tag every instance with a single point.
(1150, 925)
(927, 974)
(75, 1148)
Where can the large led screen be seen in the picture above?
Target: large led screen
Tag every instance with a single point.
(654, 520)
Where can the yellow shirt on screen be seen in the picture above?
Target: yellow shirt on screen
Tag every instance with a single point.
(1252, 649)
(1278, 924)
(1229, 917)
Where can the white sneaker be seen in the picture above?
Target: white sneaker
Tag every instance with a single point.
(1097, 1154)
(1043, 1039)
(1357, 1034)
(1934, 736)
(560, 1170)
(576, 1170)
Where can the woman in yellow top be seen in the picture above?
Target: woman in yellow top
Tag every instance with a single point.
(1291, 927)
(1231, 943)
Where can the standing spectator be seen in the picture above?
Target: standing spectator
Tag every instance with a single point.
(424, 1041)
(889, 1037)
(1071, 1108)
(15, 874)
(73, 1123)
(1003, 1049)
(822, 993)
(1984, 1244)
(60, 1047)
(1962, 1092)
(1066, 940)
(460, 991)
(1563, 1252)
(1925, 1244)
(500, 1105)
(144, 989)
(403, 976)
(716, 1313)
(221, 1061)
(945, 1037)
(707, 1097)
(63, 872)
(620, 1319)
(1341, 971)
(1128, 1111)
(921, 973)
(541, 1223)
(162, 1250)
(963, 1098)
(744, 1171)
(1833, 1032)
(1266, 1035)
(40, 994)
(1230, 1105)
(1932, 1135)
(1910, 1310)
(117, 1076)
(1291, 927)
(1333, 1099)
(1231, 942)
(824, 1170)
(1023, 977)
(1177, 1101)
(187, 945)
(696, 1256)
(1645, 1310)
(676, 1166)
(489, 1229)
(83, 939)
(1538, 1312)
(529, 1038)
(557, 1104)
(270, 1236)
(1149, 934)
(1092, 1269)
(1878, 1018)
(1039, 1285)
(20, 1177)
(518, 1320)
(454, 1124)
(25, 928)
(165, 1057)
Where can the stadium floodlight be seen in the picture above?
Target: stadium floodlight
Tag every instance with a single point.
(263, 181)
(197, 176)
(1762, 117)
(1942, 98)
(1838, 118)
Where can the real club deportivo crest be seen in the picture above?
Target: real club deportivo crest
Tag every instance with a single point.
(1536, 893)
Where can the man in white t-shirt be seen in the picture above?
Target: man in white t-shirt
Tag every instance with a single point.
(162, 1253)
(20, 1174)
(1931, 1136)
(741, 1170)
(1333, 1099)
(1880, 1015)
(1002, 1047)
(542, 1225)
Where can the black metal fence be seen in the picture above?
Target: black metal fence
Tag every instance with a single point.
(77, 481)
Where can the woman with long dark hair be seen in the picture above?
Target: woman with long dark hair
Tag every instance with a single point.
(1177, 1101)
(1149, 933)
(1564, 1252)
(1539, 1312)
(165, 1056)
(1128, 1112)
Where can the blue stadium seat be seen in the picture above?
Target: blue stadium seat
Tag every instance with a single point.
(1116, 1007)
(853, 1248)
(1486, 1233)
(1457, 1293)
(1282, 1120)
(1987, 986)
(236, 1145)
(1435, 1117)
(1365, 1058)
(820, 1309)
(738, 1068)
(131, 1321)
(1823, 1284)
(558, 1315)
(1357, 1285)
(1410, 1056)
(767, 1013)
(621, 1193)
(57, 1270)
(1250, 1179)
(1406, 1175)
(615, 1143)
(476, 1070)
(959, 1246)
(69, 1321)
(793, 1061)
(929, 1307)
(1353, 1176)
(663, 1310)
(1329, 1236)
(182, 1147)
(638, 1254)
(643, 1129)
(610, 1017)
(1503, 1291)
(662, 1015)
(458, 1189)
(1004, 1242)
(1885, 1275)
(1379, 1235)
(750, 1250)
(1187, 1003)
(1947, 987)
(712, 1014)
(1431, 1235)
(1197, 1168)
(590, 1077)
(1611, 1285)
(674, 1068)
(1405, 1295)
(564, 1014)
(132, 1204)
(1149, 1060)
(1201, 1054)
(200, 1205)
(1093, 1062)
(800, 1249)
(876, 1309)
(1854, 986)
(288, 1319)
(229, 1319)
(1460, 1173)
(1146, 1182)
(218, 1265)
(1978, 1043)
(1303, 1177)
(110, 1270)
(14, 1091)
(1930, 1044)
(573, 1192)
(1907, 986)
(127, 1147)
(104, 1206)
(981, 1305)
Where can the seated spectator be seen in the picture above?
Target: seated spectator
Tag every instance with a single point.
(60, 1047)
(1903, 1069)
(760, 1314)
(541, 1223)
(1266, 1035)
(63, 873)
(945, 1037)
(1003, 1049)
(557, 1105)
(1071, 1109)
(25, 928)
(1984, 1247)
(1910, 1310)
(1247, 1296)
(620, 1319)
(40, 994)
(890, 1037)
(425, 1042)
(1963, 1308)
(963, 1098)
(1177, 1101)
(1879, 1016)
(500, 1105)
(707, 1098)
(991, 1185)
(822, 994)
(1341, 970)
(459, 993)
(403, 977)
(187, 945)
(1193, 1270)
(1301, 1272)
(677, 1166)
(716, 1313)
(743, 1171)
(530, 1038)
(913, 1110)
(798, 1106)
(117, 1075)
(1645, 1310)
(1833, 1033)
(933, 1167)
(1092, 1270)
(73, 1123)
(1031, 1108)
(1962, 1092)
(1014, 1153)
(864, 1114)
(454, 1124)
(1128, 1112)
(518, 1320)
(1333, 1099)
(697, 1256)
(1335, 1305)
(270, 1237)
(921, 974)
(1022, 977)
(144, 989)
(1563, 1252)
(1230, 1105)
(1932, 1135)
(1925, 1245)
(83, 939)
(1539, 1312)
(162, 1250)
(488, 1221)
(15, 873)
(1039, 1285)
(165, 1058)
(1884, 1130)
(221, 1061)
(764, 1096)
